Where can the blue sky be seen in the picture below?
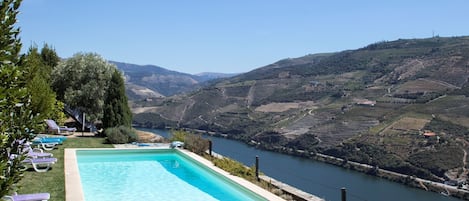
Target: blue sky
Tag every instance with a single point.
(196, 36)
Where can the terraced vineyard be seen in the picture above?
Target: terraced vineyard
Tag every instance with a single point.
(371, 105)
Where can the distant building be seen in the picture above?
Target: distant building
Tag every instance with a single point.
(366, 102)
(429, 134)
(315, 83)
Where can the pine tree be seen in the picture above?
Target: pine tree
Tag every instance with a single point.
(116, 112)
(16, 119)
(49, 56)
(43, 98)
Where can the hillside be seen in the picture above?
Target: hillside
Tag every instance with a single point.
(150, 81)
(401, 105)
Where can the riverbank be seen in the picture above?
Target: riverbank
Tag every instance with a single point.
(407, 180)
(295, 193)
(395, 177)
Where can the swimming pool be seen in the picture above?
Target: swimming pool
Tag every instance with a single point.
(156, 174)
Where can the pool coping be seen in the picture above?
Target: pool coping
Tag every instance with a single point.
(74, 189)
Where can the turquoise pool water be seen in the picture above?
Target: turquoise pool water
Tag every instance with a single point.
(152, 175)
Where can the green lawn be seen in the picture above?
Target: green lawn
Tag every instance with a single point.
(53, 181)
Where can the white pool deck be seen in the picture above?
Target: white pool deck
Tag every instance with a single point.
(74, 190)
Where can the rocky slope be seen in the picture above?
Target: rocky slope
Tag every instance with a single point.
(150, 81)
(376, 105)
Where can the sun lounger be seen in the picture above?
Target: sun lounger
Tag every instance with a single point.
(36, 153)
(46, 146)
(48, 140)
(28, 197)
(54, 128)
(61, 138)
(40, 164)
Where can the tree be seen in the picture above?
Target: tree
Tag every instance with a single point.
(16, 118)
(43, 98)
(81, 82)
(49, 56)
(116, 112)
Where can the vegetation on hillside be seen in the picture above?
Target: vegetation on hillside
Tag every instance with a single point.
(371, 105)
(149, 81)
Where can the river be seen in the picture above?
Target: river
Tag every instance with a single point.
(318, 178)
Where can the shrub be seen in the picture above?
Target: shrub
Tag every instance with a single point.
(236, 168)
(193, 142)
(178, 135)
(120, 135)
(196, 143)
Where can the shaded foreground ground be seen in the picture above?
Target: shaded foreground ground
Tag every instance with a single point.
(53, 181)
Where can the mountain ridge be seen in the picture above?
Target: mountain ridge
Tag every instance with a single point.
(152, 81)
(371, 105)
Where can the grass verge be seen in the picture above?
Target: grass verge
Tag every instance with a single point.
(249, 173)
(53, 181)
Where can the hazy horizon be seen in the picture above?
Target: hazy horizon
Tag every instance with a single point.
(229, 37)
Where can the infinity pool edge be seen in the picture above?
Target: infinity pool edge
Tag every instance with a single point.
(74, 189)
